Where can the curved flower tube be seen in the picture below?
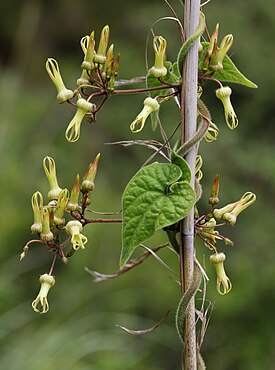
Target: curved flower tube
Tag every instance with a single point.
(246, 200)
(40, 304)
(73, 130)
(84, 78)
(159, 69)
(50, 171)
(46, 235)
(222, 279)
(88, 62)
(37, 204)
(73, 228)
(63, 93)
(150, 105)
(230, 116)
(225, 45)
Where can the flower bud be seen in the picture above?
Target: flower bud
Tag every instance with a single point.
(63, 93)
(24, 253)
(88, 62)
(58, 218)
(214, 64)
(103, 43)
(217, 260)
(40, 304)
(108, 66)
(159, 69)
(150, 105)
(50, 171)
(230, 116)
(226, 44)
(246, 200)
(209, 51)
(73, 228)
(37, 204)
(89, 176)
(73, 202)
(73, 130)
(114, 73)
(46, 235)
(214, 197)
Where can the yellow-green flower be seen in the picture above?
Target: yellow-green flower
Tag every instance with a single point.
(63, 93)
(89, 52)
(37, 204)
(46, 235)
(84, 78)
(225, 45)
(50, 171)
(159, 69)
(150, 105)
(62, 201)
(73, 130)
(40, 304)
(73, 228)
(246, 200)
(222, 279)
(230, 116)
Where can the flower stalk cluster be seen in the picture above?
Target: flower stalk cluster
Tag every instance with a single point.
(51, 222)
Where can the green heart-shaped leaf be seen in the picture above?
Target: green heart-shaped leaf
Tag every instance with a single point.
(154, 198)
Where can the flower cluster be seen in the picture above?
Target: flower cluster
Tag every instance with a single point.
(51, 222)
(206, 225)
(99, 70)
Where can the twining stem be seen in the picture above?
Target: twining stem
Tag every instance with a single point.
(188, 127)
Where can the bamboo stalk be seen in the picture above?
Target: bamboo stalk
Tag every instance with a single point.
(189, 122)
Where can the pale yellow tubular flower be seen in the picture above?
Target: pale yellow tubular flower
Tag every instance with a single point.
(225, 45)
(40, 304)
(46, 235)
(223, 282)
(159, 69)
(150, 105)
(73, 228)
(230, 116)
(84, 78)
(73, 130)
(50, 171)
(63, 93)
(37, 204)
(246, 200)
(62, 202)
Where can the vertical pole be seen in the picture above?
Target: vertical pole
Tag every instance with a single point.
(189, 124)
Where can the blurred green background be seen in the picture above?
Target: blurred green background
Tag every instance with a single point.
(79, 332)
